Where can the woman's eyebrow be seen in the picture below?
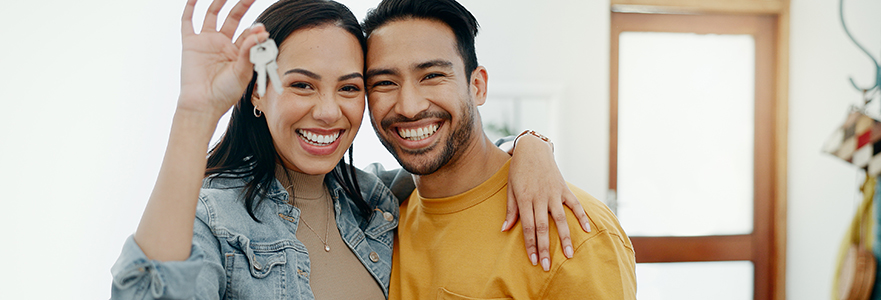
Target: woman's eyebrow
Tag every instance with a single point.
(350, 76)
(308, 73)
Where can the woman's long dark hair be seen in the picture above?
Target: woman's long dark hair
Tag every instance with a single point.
(246, 149)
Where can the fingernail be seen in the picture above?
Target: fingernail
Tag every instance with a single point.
(256, 24)
(534, 259)
(586, 227)
(568, 251)
(546, 264)
(504, 225)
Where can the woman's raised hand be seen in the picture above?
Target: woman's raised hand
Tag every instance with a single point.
(214, 70)
(214, 74)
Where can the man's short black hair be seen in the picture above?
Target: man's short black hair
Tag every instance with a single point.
(450, 12)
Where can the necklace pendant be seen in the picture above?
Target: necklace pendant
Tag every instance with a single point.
(326, 248)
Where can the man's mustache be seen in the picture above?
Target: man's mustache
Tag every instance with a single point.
(387, 122)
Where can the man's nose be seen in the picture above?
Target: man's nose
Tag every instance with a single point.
(410, 101)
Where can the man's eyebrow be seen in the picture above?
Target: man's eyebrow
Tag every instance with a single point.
(350, 76)
(434, 63)
(377, 72)
(308, 73)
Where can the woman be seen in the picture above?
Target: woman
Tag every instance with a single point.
(233, 230)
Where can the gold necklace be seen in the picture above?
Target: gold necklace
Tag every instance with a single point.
(326, 226)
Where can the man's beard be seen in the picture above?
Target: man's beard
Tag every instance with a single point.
(459, 139)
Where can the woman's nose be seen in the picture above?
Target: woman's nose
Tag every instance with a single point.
(327, 110)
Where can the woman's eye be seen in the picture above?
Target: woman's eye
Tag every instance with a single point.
(350, 88)
(301, 85)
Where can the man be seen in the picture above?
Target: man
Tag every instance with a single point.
(424, 86)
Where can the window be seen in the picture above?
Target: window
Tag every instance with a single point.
(694, 151)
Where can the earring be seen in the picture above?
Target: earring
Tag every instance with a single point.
(257, 113)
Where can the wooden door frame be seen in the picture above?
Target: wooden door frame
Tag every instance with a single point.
(766, 246)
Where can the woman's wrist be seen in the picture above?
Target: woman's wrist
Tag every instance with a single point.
(191, 107)
(200, 122)
(532, 135)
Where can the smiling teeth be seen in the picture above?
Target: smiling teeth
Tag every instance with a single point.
(418, 133)
(318, 139)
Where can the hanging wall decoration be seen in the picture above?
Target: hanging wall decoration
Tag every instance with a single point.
(858, 142)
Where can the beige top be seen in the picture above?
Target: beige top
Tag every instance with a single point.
(451, 248)
(336, 274)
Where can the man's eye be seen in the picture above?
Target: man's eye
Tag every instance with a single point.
(382, 83)
(301, 85)
(433, 75)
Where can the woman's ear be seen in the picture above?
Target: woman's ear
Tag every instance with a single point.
(479, 79)
(256, 101)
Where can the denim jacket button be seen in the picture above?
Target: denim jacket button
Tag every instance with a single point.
(374, 257)
(388, 216)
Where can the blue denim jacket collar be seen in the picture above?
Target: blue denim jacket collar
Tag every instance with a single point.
(259, 259)
(353, 227)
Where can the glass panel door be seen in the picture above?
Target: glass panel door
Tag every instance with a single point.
(726, 280)
(685, 133)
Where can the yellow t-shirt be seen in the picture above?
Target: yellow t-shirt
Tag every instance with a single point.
(451, 248)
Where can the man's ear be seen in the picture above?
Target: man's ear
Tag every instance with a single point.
(479, 79)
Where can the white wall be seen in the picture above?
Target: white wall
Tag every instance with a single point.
(562, 44)
(822, 188)
(90, 87)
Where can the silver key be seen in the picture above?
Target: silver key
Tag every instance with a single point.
(263, 57)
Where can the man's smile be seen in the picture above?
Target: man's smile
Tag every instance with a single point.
(420, 133)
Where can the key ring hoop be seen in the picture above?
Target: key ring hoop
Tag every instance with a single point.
(260, 47)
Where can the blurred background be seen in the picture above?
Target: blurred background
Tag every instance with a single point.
(90, 89)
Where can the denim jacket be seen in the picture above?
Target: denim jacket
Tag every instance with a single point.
(233, 257)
